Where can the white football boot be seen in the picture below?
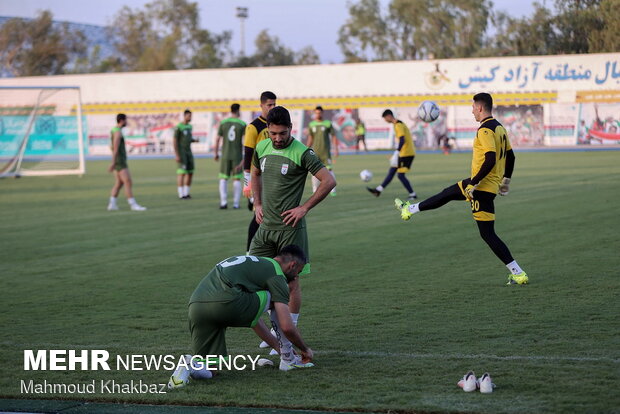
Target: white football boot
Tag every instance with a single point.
(180, 376)
(485, 384)
(468, 382)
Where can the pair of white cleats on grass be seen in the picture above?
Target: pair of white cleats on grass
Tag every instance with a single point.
(469, 383)
(134, 207)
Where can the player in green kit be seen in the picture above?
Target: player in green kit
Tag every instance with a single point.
(231, 132)
(235, 293)
(122, 178)
(321, 138)
(183, 154)
(279, 170)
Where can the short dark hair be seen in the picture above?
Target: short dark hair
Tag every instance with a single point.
(319, 108)
(120, 117)
(187, 111)
(292, 252)
(485, 99)
(267, 95)
(279, 115)
(234, 108)
(386, 113)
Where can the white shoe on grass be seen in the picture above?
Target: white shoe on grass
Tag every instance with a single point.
(112, 207)
(485, 384)
(468, 382)
(137, 207)
(295, 363)
(180, 376)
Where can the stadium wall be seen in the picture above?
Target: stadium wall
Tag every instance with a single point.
(542, 100)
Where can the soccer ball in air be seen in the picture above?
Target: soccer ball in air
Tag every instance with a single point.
(366, 176)
(428, 111)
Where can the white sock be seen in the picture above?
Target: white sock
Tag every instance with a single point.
(295, 317)
(286, 347)
(514, 268)
(414, 208)
(236, 192)
(315, 184)
(379, 188)
(333, 175)
(113, 200)
(180, 191)
(223, 192)
(185, 190)
(132, 201)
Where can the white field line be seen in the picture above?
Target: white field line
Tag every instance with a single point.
(171, 349)
(403, 355)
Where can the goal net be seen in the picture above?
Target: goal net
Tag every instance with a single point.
(41, 131)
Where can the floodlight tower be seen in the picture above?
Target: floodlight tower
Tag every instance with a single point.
(242, 14)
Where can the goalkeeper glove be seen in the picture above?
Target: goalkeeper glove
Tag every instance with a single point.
(394, 159)
(504, 187)
(469, 191)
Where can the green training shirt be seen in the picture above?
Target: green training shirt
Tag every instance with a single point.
(121, 155)
(321, 132)
(183, 137)
(284, 173)
(242, 274)
(232, 129)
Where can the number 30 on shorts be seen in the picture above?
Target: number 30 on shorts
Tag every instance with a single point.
(475, 205)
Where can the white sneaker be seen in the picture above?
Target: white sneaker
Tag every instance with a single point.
(485, 384)
(294, 363)
(468, 383)
(180, 376)
(137, 207)
(112, 207)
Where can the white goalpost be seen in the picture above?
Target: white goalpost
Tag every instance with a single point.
(42, 131)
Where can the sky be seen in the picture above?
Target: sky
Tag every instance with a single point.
(298, 23)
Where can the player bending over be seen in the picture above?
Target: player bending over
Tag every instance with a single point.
(491, 168)
(235, 293)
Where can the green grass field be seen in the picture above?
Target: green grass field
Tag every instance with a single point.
(396, 311)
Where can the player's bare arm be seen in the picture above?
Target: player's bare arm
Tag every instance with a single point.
(335, 145)
(216, 149)
(263, 332)
(290, 330)
(176, 146)
(257, 187)
(310, 140)
(115, 145)
(327, 183)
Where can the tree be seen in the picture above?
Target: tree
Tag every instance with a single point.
(413, 29)
(606, 38)
(307, 56)
(166, 35)
(578, 26)
(271, 52)
(38, 46)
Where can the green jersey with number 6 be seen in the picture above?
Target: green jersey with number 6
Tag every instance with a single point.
(242, 274)
(232, 129)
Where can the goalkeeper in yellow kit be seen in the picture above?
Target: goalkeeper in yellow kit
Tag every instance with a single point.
(491, 169)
